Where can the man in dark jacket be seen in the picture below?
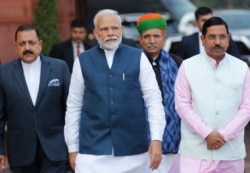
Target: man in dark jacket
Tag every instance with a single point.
(191, 44)
(71, 48)
(33, 92)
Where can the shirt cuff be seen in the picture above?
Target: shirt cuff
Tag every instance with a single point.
(205, 132)
(224, 134)
(73, 148)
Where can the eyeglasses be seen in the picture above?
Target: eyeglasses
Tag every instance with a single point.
(155, 36)
(220, 36)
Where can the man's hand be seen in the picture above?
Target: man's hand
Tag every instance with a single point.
(2, 163)
(72, 159)
(215, 140)
(155, 154)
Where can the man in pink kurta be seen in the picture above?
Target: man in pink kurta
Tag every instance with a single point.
(213, 100)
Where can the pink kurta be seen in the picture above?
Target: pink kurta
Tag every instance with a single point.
(195, 124)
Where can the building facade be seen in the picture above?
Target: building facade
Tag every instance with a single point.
(15, 12)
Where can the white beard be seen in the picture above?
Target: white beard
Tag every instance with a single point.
(110, 45)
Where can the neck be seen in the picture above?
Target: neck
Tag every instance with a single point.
(218, 58)
(152, 56)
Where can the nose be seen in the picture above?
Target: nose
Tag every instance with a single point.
(27, 46)
(151, 39)
(110, 31)
(217, 40)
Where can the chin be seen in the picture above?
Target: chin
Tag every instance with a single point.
(28, 60)
(111, 45)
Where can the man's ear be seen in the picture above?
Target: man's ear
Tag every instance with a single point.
(229, 36)
(202, 39)
(140, 39)
(95, 32)
(15, 45)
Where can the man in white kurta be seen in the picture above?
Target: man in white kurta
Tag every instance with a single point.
(135, 163)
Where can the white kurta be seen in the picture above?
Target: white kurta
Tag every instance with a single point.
(108, 163)
(32, 73)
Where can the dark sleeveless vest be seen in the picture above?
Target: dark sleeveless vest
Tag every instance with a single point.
(113, 112)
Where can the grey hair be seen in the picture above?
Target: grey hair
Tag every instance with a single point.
(106, 12)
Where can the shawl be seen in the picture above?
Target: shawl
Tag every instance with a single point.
(171, 136)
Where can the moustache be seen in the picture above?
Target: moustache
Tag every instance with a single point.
(111, 38)
(152, 46)
(217, 46)
(27, 52)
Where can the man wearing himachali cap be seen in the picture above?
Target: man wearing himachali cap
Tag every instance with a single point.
(152, 29)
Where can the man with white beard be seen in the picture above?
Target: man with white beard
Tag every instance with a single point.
(112, 86)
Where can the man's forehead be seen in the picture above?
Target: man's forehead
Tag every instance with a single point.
(217, 28)
(109, 18)
(107, 25)
(78, 28)
(22, 36)
(152, 31)
(27, 33)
